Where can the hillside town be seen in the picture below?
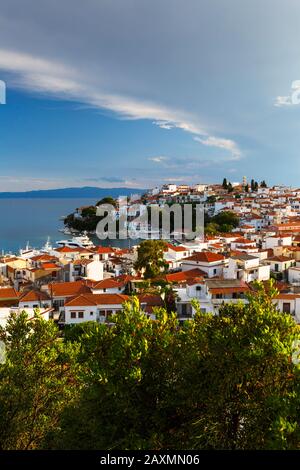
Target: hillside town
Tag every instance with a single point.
(75, 281)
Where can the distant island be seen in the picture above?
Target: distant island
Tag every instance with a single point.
(84, 192)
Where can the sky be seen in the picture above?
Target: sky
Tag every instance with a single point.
(140, 93)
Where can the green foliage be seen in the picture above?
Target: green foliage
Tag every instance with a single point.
(36, 381)
(226, 217)
(107, 200)
(211, 199)
(218, 382)
(223, 222)
(75, 332)
(89, 219)
(129, 377)
(222, 381)
(254, 185)
(211, 229)
(151, 258)
(245, 360)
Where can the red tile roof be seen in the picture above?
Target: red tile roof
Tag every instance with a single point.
(108, 283)
(68, 289)
(101, 250)
(96, 299)
(183, 276)
(206, 257)
(8, 293)
(34, 295)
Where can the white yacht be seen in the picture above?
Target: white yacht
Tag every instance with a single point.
(28, 252)
(82, 241)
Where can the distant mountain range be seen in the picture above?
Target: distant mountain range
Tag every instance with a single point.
(85, 192)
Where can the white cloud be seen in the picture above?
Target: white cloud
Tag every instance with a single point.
(164, 124)
(283, 101)
(159, 159)
(224, 144)
(45, 76)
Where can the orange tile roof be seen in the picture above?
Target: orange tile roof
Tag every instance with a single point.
(206, 257)
(96, 299)
(229, 290)
(101, 250)
(67, 249)
(177, 248)
(108, 283)
(50, 266)
(287, 296)
(33, 295)
(281, 259)
(243, 241)
(185, 275)
(68, 289)
(8, 293)
(43, 257)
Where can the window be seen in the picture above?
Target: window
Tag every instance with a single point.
(276, 267)
(198, 288)
(215, 271)
(286, 307)
(80, 314)
(73, 314)
(91, 314)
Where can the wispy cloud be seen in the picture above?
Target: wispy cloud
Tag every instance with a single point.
(108, 179)
(224, 144)
(159, 159)
(49, 77)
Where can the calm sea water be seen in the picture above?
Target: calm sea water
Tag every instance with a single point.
(33, 220)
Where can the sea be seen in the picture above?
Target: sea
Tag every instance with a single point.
(32, 221)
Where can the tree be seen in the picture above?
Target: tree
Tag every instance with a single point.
(129, 372)
(107, 200)
(246, 384)
(226, 218)
(151, 258)
(36, 381)
(225, 184)
(263, 184)
(211, 229)
(222, 381)
(230, 188)
(169, 296)
(252, 184)
(247, 188)
(211, 199)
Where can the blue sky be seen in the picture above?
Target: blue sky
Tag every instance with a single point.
(137, 93)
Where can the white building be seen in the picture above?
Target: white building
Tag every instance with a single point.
(211, 263)
(5, 313)
(92, 307)
(246, 267)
